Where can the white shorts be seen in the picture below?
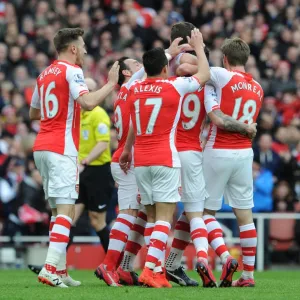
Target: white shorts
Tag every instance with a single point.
(60, 177)
(228, 173)
(158, 184)
(192, 179)
(127, 187)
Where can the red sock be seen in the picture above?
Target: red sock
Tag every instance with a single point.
(199, 237)
(158, 243)
(215, 237)
(117, 240)
(135, 242)
(181, 240)
(248, 239)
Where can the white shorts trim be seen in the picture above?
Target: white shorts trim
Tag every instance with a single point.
(158, 184)
(127, 187)
(59, 174)
(228, 173)
(190, 207)
(192, 179)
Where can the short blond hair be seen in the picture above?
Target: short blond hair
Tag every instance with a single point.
(236, 50)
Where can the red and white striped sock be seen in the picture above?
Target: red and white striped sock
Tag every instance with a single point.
(148, 232)
(58, 241)
(199, 238)
(158, 243)
(181, 240)
(117, 240)
(161, 263)
(248, 239)
(52, 221)
(135, 242)
(215, 237)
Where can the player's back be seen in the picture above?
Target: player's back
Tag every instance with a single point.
(190, 124)
(57, 87)
(121, 120)
(155, 110)
(239, 96)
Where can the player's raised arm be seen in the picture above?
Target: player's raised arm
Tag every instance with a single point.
(89, 101)
(196, 41)
(222, 120)
(35, 108)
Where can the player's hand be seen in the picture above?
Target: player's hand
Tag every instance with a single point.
(175, 48)
(251, 130)
(81, 168)
(113, 74)
(125, 161)
(196, 39)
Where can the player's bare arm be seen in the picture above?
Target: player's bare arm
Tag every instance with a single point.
(196, 41)
(126, 157)
(90, 100)
(222, 120)
(186, 69)
(34, 113)
(228, 123)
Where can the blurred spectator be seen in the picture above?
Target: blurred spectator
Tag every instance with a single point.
(283, 197)
(267, 157)
(263, 186)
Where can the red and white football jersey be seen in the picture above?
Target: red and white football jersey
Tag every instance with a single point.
(121, 120)
(56, 90)
(190, 123)
(239, 96)
(155, 106)
(122, 114)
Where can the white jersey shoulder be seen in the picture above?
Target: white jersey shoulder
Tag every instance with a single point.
(75, 78)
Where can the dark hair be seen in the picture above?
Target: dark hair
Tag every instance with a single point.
(236, 50)
(154, 61)
(182, 29)
(123, 67)
(64, 37)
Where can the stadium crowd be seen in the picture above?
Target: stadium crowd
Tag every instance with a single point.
(115, 28)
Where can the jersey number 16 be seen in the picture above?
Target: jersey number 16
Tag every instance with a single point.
(49, 101)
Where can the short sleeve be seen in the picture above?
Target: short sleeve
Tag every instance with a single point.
(219, 77)
(186, 85)
(76, 82)
(210, 99)
(35, 99)
(101, 127)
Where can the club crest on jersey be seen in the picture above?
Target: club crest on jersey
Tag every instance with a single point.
(85, 134)
(78, 78)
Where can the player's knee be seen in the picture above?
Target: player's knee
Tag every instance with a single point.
(129, 211)
(150, 210)
(165, 211)
(66, 209)
(243, 216)
(54, 212)
(209, 212)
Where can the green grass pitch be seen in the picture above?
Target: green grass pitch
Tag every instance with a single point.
(22, 284)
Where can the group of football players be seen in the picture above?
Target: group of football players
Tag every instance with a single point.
(159, 115)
